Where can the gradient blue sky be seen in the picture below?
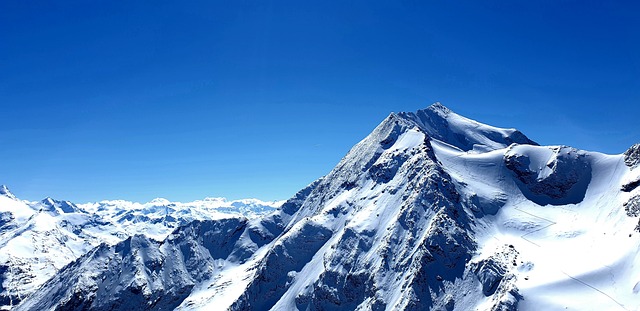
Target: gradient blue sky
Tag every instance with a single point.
(188, 99)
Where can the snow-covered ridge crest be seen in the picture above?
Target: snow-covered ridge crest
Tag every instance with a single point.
(4, 191)
(442, 124)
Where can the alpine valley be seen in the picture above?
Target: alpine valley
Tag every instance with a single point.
(431, 211)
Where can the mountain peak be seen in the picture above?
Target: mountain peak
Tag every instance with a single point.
(160, 201)
(53, 205)
(442, 124)
(439, 108)
(6, 192)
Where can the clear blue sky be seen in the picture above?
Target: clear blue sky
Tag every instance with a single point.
(188, 99)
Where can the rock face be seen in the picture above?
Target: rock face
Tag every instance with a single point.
(632, 208)
(490, 273)
(496, 276)
(415, 217)
(550, 175)
(632, 156)
(632, 159)
(632, 205)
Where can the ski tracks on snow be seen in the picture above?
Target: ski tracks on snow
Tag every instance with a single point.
(551, 223)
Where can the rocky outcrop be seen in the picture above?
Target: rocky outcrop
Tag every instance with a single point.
(632, 160)
(632, 208)
(632, 156)
(495, 273)
(549, 175)
(630, 186)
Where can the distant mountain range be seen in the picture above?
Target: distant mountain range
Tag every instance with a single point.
(39, 238)
(431, 211)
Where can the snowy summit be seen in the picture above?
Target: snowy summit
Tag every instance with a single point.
(431, 211)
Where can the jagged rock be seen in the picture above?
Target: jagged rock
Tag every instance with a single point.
(507, 295)
(632, 156)
(490, 272)
(496, 276)
(632, 207)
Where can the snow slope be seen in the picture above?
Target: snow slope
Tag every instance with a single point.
(577, 256)
(431, 211)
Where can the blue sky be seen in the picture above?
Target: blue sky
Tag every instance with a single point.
(183, 100)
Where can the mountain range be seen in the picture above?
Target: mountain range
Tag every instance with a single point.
(37, 239)
(431, 211)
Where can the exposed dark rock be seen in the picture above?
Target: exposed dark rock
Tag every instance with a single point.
(490, 272)
(284, 258)
(631, 185)
(632, 207)
(497, 279)
(632, 156)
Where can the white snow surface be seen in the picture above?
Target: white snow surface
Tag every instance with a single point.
(580, 256)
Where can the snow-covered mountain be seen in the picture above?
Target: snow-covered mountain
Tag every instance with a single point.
(431, 211)
(39, 238)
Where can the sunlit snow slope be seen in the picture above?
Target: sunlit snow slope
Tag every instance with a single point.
(431, 211)
(577, 256)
